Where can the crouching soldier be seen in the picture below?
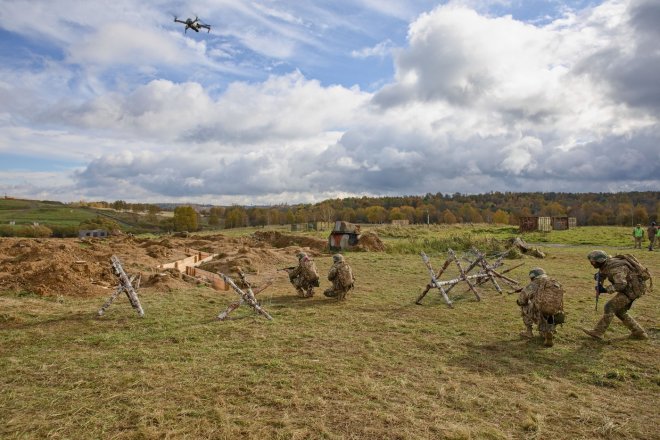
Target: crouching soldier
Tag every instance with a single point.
(628, 280)
(341, 277)
(541, 303)
(304, 277)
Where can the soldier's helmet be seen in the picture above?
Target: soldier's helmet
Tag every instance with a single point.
(301, 255)
(536, 272)
(598, 256)
(337, 258)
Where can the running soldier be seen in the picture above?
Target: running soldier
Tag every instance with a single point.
(304, 277)
(628, 280)
(542, 303)
(341, 277)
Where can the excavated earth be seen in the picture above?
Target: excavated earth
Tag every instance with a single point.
(81, 267)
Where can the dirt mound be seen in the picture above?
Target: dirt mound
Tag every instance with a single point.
(81, 267)
(165, 281)
(279, 240)
(369, 241)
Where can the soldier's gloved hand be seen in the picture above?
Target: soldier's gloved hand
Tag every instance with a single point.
(601, 289)
(596, 276)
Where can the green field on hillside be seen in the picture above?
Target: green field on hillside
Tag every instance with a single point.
(376, 366)
(46, 213)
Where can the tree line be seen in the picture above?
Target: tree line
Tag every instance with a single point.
(623, 209)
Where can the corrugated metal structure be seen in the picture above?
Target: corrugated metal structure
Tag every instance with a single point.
(402, 222)
(572, 222)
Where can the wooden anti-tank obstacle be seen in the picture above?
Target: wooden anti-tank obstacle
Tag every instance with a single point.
(487, 273)
(246, 297)
(125, 285)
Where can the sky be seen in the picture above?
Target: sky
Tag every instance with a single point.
(285, 101)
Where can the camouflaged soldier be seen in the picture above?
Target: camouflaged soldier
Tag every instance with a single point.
(341, 276)
(627, 280)
(542, 303)
(304, 277)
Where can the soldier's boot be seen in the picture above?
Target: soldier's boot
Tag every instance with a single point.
(310, 292)
(527, 333)
(547, 339)
(601, 326)
(636, 330)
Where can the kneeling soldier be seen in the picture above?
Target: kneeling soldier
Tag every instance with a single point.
(341, 276)
(304, 277)
(542, 303)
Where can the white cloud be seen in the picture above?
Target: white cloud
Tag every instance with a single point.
(381, 50)
(122, 43)
(478, 103)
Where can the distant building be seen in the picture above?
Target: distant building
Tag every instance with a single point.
(402, 222)
(560, 223)
(92, 233)
(546, 224)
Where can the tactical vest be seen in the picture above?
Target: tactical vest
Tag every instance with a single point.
(638, 232)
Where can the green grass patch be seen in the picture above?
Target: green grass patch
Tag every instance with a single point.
(376, 366)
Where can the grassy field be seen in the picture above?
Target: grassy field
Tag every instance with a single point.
(374, 367)
(29, 211)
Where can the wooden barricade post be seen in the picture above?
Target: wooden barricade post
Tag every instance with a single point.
(125, 285)
(487, 273)
(246, 297)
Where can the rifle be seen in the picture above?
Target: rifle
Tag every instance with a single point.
(520, 289)
(286, 268)
(599, 287)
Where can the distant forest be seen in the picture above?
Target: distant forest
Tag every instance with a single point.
(622, 209)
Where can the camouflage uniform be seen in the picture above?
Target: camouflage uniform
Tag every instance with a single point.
(529, 301)
(617, 272)
(342, 278)
(304, 277)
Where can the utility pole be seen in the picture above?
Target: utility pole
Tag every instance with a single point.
(632, 215)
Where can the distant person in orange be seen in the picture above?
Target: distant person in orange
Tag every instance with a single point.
(638, 234)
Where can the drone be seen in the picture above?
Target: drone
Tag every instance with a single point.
(195, 24)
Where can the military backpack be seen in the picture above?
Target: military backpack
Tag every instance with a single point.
(638, 276)
(550, 297)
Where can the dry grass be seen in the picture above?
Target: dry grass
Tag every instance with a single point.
(375, 367)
